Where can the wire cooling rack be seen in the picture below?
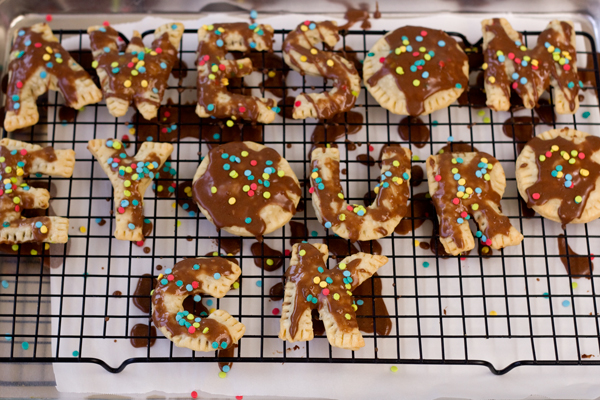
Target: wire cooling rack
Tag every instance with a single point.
(460, 310)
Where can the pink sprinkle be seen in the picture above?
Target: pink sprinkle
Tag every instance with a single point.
(164, 130)
(125, 137)
(415, 53)
(253, 163)
(371, 148)
(206, 57)
(567, 67)
(191, 329)
(297, 104)
(1, 192)
(423, 33)
(38, 45)
(307, 22)
(455, 201)
(253, 186)
(194, 394)
(105, 23)
(170, 277)
(140, 243)
(514, 85)
(488, 242)
(23, 152)
(463, 258)
(275, 311)
(312, 189)
(534, 67)
(382, 59)
(464, 214)
(349, 208)
(419, 67)
(442, 64)
(250, 193)
(548, 154)
(511, 56)
(158, 50)
(581, 156)
(438, 178)
(535, 196)
(242, 109)
(130, 65)
(167, 114)
(19, 85)
(121, 210)
(173, 184)
(202, 62)
(239, 397)
(49, 18)
(592, 258)
(325, 292)
(195, 284)
(17, 208)
(518, 60)
(222, 67)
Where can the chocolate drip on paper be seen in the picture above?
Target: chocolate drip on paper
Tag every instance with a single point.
(576, 265)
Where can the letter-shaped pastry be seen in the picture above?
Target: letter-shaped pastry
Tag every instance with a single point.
(37, 63)
(17, 161)
(246, 189)
(140, 74)
(355, 222)
(415, 71)
(309, 285)
(214, 71)
(130, 177)
(509, 64)
(192, 277)
(300, 53)
(462, 185)
(558, 175)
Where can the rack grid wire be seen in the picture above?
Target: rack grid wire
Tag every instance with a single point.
(410, 291)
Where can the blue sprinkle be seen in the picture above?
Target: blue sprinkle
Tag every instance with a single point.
(164, 281)
(568, 177)
(216, 136)
(450, 138)
(327, 224)
(174, 26)
(225, 368)
(248, 220)
(312, 26)
(385, 184)
(197, 298)
(115, 70)
(15, 97)
(518, 43)
(220, 42)
(559, 167)
(346, 273)
(329, 280)
(547, 44)
(360, 302)
(566, 303)
(567, 183)
(155, 90)
(456, 177)
(27, 42)
(16, 106)
(460, 220)
(409, 48)
(314, 300)
(441, 43)
(98, 220)
(321, 270)
(431, 53)
(252, 45)
(107, 49)
(163, 65)
(131, 226)
(215, 345)
(21, 32)
(25, 345)
(253, 14)
(571, 85)
(259, 283)
(309, 297)
(217, 275)
(189, 287)
(586, 114)
(226, 167)
(515, 76)
(523, 80)
(425, 74)
(478, 234)
(413, 68)
(314, 234)
(419, 38)
(124, 203)
(501, 58)
(179, 283)
(554, 174)
(405, 175)
(458, 86)
(321, 186)
(5, 284)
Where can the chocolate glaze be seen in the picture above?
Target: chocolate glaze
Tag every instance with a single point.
(417, 175)
(457, 147)
(336, 127)
(354, 15)
(139, 335)
(225, 353)
(209, 90)
(273, 67)
(576, 265)
(366, 159)
(329, 65)
(184, 271)
(21, 69)
(420, 209)
(475, 54)
(332, 205)
(549, 187)
(184, 197)
(340, 248)
(540, 76)
(286, 107)
(231, 245)
(412, 129)
(303, 273)
(474, 97)
(13, 201)
(276, 292)
(266, 257)
(521, 129)
(376, 317)
(445, 68)
(119, 66)
(141, 295)
(299, 232)
(121, 158)
(449, 212)
(545, 111)
(246, 206)
(67, 114)
(117, 293)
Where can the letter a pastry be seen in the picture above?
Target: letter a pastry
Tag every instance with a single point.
(311, 285)
(130, 177)
(17, 161)
(37, 63)
(192, 277)
(355, 222)
(301, 54)
(462, 185)
(214, 71)
(140, 74)
(509, 64)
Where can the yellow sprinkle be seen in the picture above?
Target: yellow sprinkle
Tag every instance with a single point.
(492, 79)
(303, 58)
(34, 253)
(354, 307)
(313, 51)
(236, 285)
(342, 266)
(16, 200)
(266, 195)
(584, 172)
(49, 49)
(244, 153)
(493, 312)
(555, 147)
(341, 196)
(205, 330)
(336, 296)
(127, 83)
(213, 189)
(323, 284)
(303, 28)
(46, 57)
(462, 181)
(280, 173)
(222, 374)
(44, 229)
(82, 229)
(559, 174)
(132, 132)
(233, 174)
(316, 280)
(159, 188)
(417, 243)
(348, 316)
(330, 63)
(178, 221)
(475, 207)
(232, 200)
(47, 246)
(342, 217)
(484, 66)
(396, 163)
(393, 368)
(271, 74)
(144, 83)
(15, 247)
(314, 175)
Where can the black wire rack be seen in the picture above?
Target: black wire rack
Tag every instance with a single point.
(441, 309)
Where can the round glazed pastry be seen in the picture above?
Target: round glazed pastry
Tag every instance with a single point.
(192, 277)
(557, 174)
(355, 222)
(415, 71)
(246, 189)
(300, 53)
